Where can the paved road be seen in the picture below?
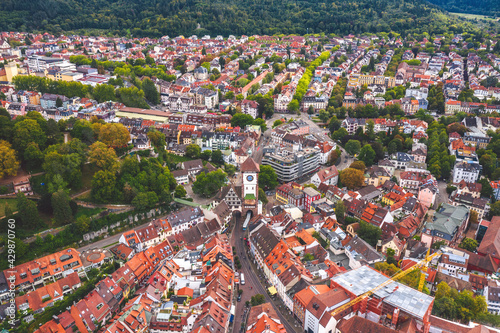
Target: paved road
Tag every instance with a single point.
(442, 195)
(252, 285)
(110, 239)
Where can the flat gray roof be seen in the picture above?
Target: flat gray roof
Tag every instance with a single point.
(363, 279)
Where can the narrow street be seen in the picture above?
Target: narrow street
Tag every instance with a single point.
(442, 196)
(253, 286)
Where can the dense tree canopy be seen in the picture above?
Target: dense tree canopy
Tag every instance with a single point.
(207, 185)
(267, 177)
(369, 233)
(114, 135)
(352, 178)
(156, 19)
(8, 160)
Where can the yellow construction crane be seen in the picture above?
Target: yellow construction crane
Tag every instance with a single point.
(422, 263)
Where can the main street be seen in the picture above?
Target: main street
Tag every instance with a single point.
(253, 286)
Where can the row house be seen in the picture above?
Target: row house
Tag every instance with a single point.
(185, 218)
(23, 96)
(468, 172)
(291, 194)
(452, 107)
(250, 107)
(206, 97)
(352, 124)
(143, 238)
(262, 241)
(50, 268)
(476, 140)
(45, 296)
(20, 109)
(479, 205)
(177, 103)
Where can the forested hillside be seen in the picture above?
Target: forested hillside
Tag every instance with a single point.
(173, 17)
(481, 7)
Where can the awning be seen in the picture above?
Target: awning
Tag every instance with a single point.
(272, 290)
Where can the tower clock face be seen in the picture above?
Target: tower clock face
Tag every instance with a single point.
(249, 178)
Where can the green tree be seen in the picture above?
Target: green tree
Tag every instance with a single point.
(293, 106)
(205, 155)
(132, 97)
(60, 207)
(386, 268)
(150, 91)
(353, 147)
(8, 160)
(27, 131)
(141, 201)
(267, 177)
(104, 93)
(379, 150)
(59, 102)
(152, 199)
(486, 189)
(390, 256)
(468, 244)
(359, 165)
(157, 138)
(324, 116)
(369, 233)
(308, 257)
(241, 120)
(310, 110)
(340, 211)
(104, 186)
(180, 191)
(230, 169)
(370, 132)
(217, 157)
(193, 151)
(82, 224)
(495, 209)
(114, 135)
(208, 185)
(53, 133)
(367, 155)
(339, 134)
(263, 196)
(27, 211)
(6, 128)
(352, 178)
(68, 166)
(257, 299)
(103, 157)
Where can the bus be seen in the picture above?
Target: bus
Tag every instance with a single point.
(242, 278)
(247, 219)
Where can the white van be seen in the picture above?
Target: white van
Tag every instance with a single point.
(242, 278)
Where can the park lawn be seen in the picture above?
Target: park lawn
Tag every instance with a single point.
(12, 203)
(178, 159)
(85, 211)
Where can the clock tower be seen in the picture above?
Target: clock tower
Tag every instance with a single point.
(250, 188)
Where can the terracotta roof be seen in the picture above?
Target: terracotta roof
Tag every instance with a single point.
(264, 315)
(249, 166)
(319, 303)
(491, 240)
(358, 324)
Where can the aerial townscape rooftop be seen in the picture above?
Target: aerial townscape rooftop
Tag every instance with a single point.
(213, 168)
